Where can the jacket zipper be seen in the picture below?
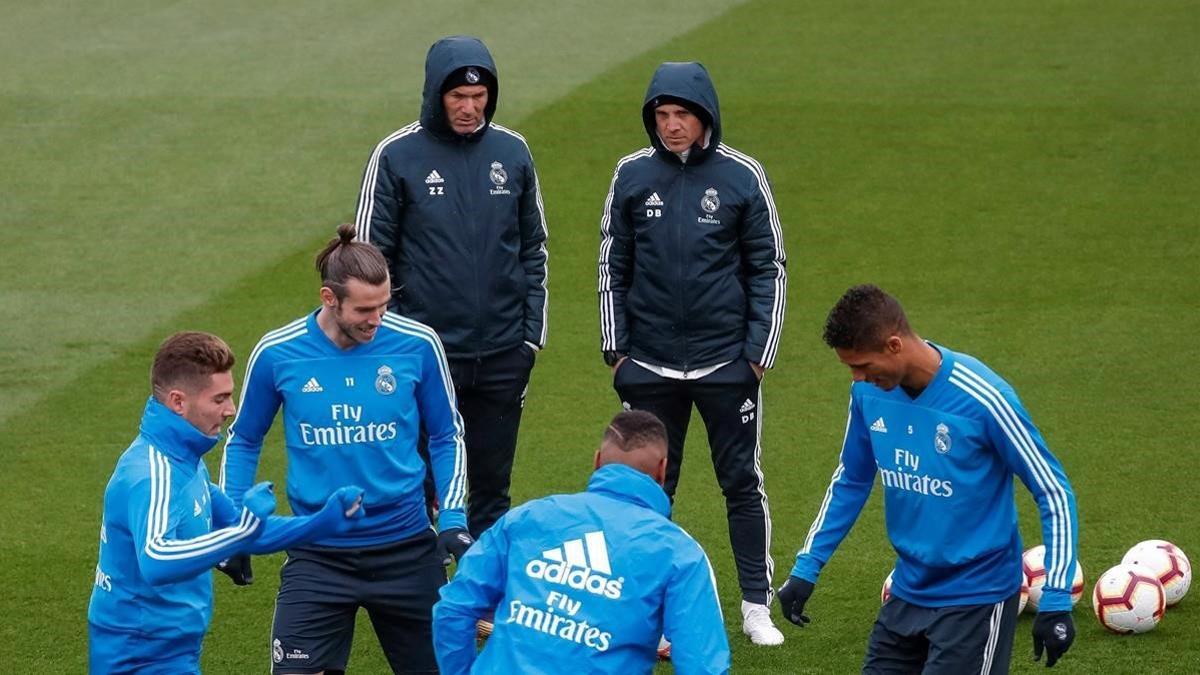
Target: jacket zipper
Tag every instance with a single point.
(470, 217)
(682, 257)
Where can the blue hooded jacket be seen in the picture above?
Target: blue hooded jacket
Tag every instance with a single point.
(459, 218)
(584, 583)
(165, 525)
(692, 268)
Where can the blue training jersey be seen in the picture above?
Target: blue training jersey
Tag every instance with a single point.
(158, 539)
(165, 525)
(354, 416)
(946, 460)
(584, 583)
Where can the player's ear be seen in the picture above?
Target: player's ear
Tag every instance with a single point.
(596, 460)
(175, 400)
(328, 297)
(894, 344)
(660, 472)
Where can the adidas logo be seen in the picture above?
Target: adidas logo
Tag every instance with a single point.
(196, 510)
(434, 178)
(747, 406)
(879, 426)
(312, 386)
(581, 564)
(654, 200)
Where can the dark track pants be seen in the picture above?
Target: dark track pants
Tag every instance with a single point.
(936, 640)
(491, 395)
(322, 588)
(730, 403)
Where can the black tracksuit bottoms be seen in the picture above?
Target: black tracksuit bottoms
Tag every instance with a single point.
(730, 403)
(491, 394)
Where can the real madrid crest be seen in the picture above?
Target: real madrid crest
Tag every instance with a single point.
(941, 442)
(472, 76)
(498, 175)
(385, 382)
(277, 651)
(710, 202)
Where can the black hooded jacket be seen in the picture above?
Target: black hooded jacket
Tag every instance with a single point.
(459, 219)
(692, 268)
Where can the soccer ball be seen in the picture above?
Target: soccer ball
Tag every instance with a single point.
(887, 589)
(1168, 563)
(1033, 565)
(1129, 599)
(1024, 592)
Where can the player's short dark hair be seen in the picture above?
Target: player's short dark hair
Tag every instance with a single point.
(633, 429)
(863, 319)
(343, 259)
(187, 360)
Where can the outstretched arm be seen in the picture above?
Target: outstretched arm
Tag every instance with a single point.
(475, 589)
(154, 518)
(692, 618)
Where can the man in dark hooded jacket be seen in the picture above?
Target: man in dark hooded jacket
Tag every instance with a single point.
(692, 293)
(452, 200)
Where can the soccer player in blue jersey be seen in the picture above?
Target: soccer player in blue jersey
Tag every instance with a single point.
(357, 385)
(165, 524)
(946, 435)
(588, 582)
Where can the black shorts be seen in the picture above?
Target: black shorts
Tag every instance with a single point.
(932, 640)
(321, 589)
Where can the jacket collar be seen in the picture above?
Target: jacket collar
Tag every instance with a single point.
(627, 484)
(173, 435)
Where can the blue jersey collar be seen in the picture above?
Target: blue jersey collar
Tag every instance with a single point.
(627, 484)
(173, 435)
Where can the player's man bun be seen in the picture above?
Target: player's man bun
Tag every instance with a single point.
(343, 259)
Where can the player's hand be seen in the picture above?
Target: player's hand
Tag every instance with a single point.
(792, 597)
(238, 569)
(349, 499)
(260, 500)
(1054, 631)
(758, 370)
(453, 543)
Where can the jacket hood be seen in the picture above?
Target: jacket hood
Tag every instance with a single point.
(173, 435)
(687, 82)
(446, 56)
(627, 484)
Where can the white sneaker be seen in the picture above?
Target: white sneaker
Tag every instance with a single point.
(756, 623)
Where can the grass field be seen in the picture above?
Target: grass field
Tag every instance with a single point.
(1024, 176)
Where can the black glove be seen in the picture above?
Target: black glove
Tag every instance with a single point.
(792, 596)
(1055, 631)
(454, 542)
(238, 569)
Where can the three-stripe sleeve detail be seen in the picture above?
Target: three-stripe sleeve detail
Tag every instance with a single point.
(608, 321)
(366, 195)
(537, 191)
(819, 521)
(280, 335)
(159, 513)
(456, 494)
(779, 302)
(1018, 435)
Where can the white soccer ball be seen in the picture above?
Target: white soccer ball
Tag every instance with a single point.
(1034, 567)
(887, 589)
(1024, 592)
(1169, 564)
(1129, 599)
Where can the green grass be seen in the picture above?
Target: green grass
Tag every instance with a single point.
(1023, 177)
